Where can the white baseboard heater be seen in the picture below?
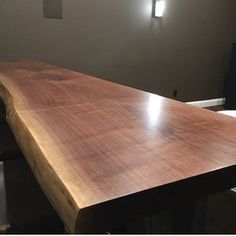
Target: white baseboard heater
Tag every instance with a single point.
(208, 103)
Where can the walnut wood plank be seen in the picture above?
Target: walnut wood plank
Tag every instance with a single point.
(91, 142)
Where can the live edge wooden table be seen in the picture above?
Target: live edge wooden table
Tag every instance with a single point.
(104, 153)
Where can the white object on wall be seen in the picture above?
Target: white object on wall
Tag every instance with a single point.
(208, 103)
(159, 8)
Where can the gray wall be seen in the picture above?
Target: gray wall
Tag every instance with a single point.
(188, 49)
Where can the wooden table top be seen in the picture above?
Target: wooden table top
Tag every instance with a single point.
(90, 141)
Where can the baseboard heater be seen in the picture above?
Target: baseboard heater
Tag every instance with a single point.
(208, 103)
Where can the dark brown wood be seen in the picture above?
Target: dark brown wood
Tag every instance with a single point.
(216, 108)
(98, 148)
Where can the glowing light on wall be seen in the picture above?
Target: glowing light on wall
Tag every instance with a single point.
(159, 8)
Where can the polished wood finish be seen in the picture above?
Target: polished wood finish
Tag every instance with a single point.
(97, 147)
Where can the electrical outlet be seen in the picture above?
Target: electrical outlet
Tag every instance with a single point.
(175, 93)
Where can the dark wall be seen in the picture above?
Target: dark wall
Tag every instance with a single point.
(188, 49)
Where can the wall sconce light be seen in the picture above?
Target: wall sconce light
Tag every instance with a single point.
(159, 7)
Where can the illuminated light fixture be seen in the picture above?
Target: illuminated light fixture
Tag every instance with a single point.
(159, 8)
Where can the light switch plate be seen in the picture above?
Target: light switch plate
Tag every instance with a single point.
(53, 9)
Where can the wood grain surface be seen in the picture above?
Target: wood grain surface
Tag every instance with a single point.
(90, 142)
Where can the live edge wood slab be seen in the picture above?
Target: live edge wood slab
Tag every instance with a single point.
(103, 152)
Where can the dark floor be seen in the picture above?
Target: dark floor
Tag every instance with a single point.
(3, 218)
